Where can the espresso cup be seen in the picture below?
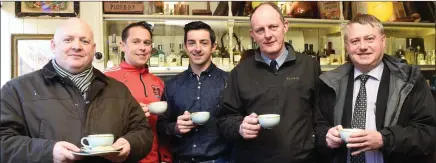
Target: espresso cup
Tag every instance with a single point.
(98, 140)
(200, 118)
(157, 107)
(269, 121)
(346, 132)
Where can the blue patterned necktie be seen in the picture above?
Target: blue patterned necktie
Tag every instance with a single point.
(273, 65)
(359, 116)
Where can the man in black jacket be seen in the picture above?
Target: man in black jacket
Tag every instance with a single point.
(44, 114)
(275, 80)
(388, 100)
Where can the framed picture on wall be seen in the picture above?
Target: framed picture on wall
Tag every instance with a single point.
(30, 52)
(47, 9)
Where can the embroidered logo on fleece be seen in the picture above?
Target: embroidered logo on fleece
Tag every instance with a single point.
(156, 91)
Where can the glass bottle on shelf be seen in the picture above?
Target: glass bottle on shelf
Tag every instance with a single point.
(400, 53)
(420, 60)
(167, 9)
(114, 51)
(161, 56)
(154, 59)
(311, 53)
(226, 56)
(323, 56)
(248, 9)
(331, 53)
(236, 55)
(149, 8)
(290, 42)
(173, 59)
(184, 58)
(431, 60)
(158, 7)
(306, 49)
(216, 57)
(410, 53)
(330, 49)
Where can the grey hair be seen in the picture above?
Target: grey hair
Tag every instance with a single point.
(364, 19)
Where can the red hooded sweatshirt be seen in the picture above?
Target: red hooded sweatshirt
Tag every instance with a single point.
(146, 88)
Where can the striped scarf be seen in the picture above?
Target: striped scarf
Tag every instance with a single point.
(81, 80)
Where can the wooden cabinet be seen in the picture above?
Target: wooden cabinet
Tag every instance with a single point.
(169, 29)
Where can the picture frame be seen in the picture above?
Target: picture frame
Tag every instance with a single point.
(47, 8)
(29, 52)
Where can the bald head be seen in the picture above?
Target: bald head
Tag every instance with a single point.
(268, 29)
(73, 45)
(269, 5)
(73, 23)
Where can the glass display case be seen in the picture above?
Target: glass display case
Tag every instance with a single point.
(325, 36)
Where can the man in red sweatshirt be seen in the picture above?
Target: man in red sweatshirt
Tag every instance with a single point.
(145, 87)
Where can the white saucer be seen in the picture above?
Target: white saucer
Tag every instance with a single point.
(89, 152)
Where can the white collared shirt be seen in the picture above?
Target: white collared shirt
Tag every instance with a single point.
(371, 86)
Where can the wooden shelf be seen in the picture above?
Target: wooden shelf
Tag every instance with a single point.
(164, 71)
(332, 26)
(118, 17)
(427, 67)
(411, 28)
(408, 24)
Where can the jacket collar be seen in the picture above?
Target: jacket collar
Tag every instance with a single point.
(291, 54)
(395, 65)
(125, 66)
(49, 73)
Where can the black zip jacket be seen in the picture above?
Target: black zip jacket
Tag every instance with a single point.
(407, 124)
(254, 87)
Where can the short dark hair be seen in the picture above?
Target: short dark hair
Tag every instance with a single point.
(198, 25)
(273, 5)
(143, 24)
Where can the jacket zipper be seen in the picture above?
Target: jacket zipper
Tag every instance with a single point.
(143, 85)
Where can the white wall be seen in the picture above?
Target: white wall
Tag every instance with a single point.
(89, 11)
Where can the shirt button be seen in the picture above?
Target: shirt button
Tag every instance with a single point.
(218, 106)
(209, 75)
(193, 159)
(198, 87)
(199, 83)
(194, 145)
(196, 129)
(87, 102)
(198, 98)
(76, 104)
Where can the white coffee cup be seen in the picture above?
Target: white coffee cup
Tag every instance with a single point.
(98, 140)
(346, 132)
(157, 107)
(200, 118)
(269, 121)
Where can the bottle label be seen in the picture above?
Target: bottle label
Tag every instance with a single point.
(217, 61)
(236, 58)
(154, 61)
(161, 59)
(185, 62)
(173, 60)
(226, 61)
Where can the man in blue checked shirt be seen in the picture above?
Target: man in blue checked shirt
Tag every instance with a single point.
(198, 89)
